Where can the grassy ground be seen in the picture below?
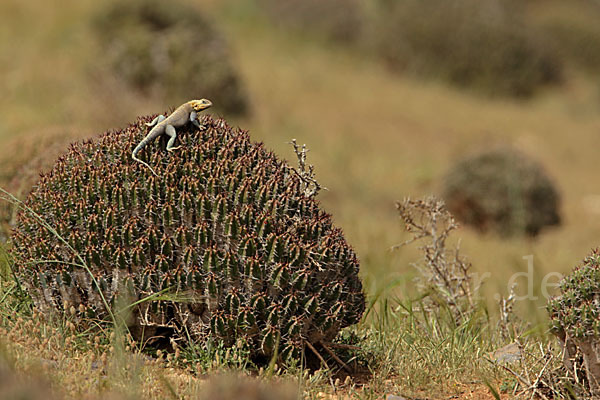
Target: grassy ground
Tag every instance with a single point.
(376, 137)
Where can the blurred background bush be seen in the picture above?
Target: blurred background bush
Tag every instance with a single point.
(481, 44)
(24, 157)
(169, 49)
(339, 20)
(502, 190)
(573, 30)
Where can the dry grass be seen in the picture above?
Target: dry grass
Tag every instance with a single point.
(375, 138)
(97, 367)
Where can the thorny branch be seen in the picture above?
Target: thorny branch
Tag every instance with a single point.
(445, 270)
(305, 172)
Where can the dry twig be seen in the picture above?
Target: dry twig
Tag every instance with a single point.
(336, 358)
(306, 172)
(444, 269)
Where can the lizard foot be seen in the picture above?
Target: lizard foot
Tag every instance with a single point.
(200, 126)
(173, 148)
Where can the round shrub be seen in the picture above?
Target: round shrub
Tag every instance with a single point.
(575, 34)
(170, 49)
(503, 191)
(23, 158)
(481, 44)
(338, 20)
(225, 239)
(575, 318)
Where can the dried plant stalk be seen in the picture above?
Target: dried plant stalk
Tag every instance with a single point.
(306, 172)
(443, 269)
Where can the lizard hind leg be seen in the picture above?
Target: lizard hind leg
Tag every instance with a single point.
(170, 131)
(156, 121)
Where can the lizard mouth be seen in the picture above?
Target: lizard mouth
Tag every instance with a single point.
(203, 105)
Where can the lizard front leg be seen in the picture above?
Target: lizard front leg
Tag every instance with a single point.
(194, 120)
(170, 131)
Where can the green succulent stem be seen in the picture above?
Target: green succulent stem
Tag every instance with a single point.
(11, 198)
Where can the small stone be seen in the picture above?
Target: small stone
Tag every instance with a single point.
(394, 397)
(507, 354)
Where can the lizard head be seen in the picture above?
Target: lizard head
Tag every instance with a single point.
(199, 105)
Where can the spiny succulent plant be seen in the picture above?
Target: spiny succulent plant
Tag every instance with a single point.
(226, 234)
(504, 191)
(575, 317)
(577, 309)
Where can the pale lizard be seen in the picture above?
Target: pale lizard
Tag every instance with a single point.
(187, 112)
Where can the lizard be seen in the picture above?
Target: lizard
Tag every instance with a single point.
(187, 112)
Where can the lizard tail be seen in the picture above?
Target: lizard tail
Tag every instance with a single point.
(140, 161)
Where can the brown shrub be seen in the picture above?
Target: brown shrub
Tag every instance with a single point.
(574, 31)
(339, 20)
(482, 44)
(169, 49)
(504, 191)
(23, 158)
